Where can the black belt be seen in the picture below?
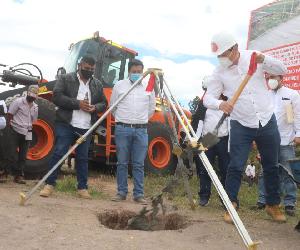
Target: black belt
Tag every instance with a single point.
(132, 125)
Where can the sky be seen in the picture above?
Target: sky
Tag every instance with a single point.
(170, 34)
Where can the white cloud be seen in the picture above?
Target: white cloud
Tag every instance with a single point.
(40, 31)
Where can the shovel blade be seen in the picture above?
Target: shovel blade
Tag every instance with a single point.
(209, 140)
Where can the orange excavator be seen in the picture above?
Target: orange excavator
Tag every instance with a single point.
(111, 66)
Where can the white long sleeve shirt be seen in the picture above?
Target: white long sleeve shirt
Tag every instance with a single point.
(282, 98)
(255, 104)
(137, 107)
(80, 118)
(211, 119)
(2, 119)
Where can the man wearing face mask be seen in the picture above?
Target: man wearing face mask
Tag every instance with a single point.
(22, 112)
(287, 111)
(131, 116)
(79, 98)
(251, 119)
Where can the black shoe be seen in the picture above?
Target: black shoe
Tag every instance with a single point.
(260, 205)
(203, 202)
(290, 210)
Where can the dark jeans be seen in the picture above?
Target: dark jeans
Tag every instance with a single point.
(288, 187)
(132, 145)
(220, 150)
(17, 148)
(65, 136)
(268, 141)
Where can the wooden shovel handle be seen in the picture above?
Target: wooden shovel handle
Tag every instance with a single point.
(240, 89)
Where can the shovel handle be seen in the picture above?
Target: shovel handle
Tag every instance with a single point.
(224, 116)
(238, 92)
(251, 71)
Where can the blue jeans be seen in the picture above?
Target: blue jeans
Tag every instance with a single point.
(288, 187)
(132, 145)
(267, 139)
(220, 150)
(65, 136)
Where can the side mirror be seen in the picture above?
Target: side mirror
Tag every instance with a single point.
(61, 71)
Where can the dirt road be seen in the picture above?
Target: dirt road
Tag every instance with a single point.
(66, 222)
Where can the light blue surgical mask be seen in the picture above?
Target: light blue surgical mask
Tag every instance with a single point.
(133, 77)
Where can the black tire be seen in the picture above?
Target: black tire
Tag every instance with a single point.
(160, 145)
(37, 168)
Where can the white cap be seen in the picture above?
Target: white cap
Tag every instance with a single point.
(33, 91)
(221, 42)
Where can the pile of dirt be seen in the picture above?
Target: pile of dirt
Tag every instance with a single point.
(129, 220)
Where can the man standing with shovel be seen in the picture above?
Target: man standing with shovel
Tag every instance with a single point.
(252, 118)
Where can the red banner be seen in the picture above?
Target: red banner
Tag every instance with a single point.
(290, 55)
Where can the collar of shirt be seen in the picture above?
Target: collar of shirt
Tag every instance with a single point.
(81, 81)
(26, 103)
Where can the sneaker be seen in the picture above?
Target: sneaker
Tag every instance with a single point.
(140, 200)
(290, 211)
(83, 193)
(47, 190)
(203, 202)
(118, 198)
(260, 205)
(227, 217)
(275, 213)
(19, 179)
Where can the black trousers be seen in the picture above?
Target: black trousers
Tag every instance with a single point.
(17, 148)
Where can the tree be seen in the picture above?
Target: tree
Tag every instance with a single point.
(193, 104)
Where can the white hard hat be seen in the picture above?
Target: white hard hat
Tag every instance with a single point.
(221, 42)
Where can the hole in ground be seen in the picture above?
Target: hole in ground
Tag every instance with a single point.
(129, 220)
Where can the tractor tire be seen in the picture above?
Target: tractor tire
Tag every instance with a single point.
(42, 144)
(160, 160)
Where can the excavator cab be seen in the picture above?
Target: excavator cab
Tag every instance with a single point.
(111, 59)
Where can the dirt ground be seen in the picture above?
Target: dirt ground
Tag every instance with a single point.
(66, 222)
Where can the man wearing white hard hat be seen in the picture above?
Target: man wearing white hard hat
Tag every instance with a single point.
(287, 111)
(251, 119)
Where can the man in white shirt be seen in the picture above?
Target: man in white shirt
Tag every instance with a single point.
(251, 119)
(79, 98)
(207, 121)
(287, 112)
(250, 173)
(132, 115)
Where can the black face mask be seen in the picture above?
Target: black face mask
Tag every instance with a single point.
(87, 74)
(30, 99)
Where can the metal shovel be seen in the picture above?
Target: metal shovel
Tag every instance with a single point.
(211, 139)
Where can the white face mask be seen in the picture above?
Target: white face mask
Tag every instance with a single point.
(273, 84)
(225, 62)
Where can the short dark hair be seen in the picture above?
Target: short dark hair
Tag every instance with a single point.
(135, 62)
(88, 59)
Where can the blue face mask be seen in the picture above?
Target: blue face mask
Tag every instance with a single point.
(134, 77)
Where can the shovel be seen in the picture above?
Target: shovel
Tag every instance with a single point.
(211, 139)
